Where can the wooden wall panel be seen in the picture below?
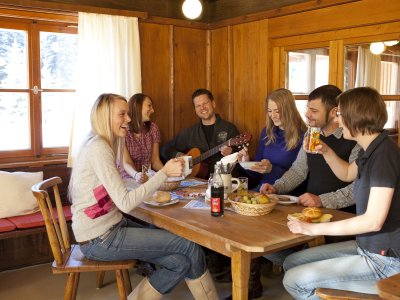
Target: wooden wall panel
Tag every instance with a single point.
(220, 81)
(250, 81)
(156, 63)
(189, 73)
(350, 15)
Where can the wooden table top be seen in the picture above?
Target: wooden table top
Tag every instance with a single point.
(234, 235)
(260, 234)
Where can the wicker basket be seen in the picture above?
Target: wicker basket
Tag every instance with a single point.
(254, 209)
(169, 185)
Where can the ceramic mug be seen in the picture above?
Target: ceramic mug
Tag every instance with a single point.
(227, 179)
(188, 165)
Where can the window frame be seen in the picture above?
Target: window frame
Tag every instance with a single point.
(281, 46)
(33, 27)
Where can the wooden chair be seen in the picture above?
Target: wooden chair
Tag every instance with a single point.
(68, 259)
(389, 288)
(333, 294)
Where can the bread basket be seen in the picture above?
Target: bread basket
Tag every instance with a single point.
(172, 183)
(252, 209)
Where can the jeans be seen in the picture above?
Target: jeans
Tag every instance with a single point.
(277, 258)
(177, 257)
(343, 266)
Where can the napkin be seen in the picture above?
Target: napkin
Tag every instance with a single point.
(230, 159)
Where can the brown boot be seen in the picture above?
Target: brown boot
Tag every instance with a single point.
(203, 288)
(144, 290)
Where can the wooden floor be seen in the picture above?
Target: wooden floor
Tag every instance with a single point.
(37, 283)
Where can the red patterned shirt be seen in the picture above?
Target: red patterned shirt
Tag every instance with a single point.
(141, 148)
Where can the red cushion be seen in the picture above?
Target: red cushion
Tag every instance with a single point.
(6, 225)
(36, 219)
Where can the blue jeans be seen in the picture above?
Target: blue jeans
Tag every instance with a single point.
(177, 257)
(343, 266)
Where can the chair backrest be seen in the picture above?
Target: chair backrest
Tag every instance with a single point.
(56, 226)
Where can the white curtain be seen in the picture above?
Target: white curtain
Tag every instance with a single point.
(368, 69)
(108, 62)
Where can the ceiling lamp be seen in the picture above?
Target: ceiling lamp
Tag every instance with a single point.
(377, 48)
(192, 8)
(390, 43)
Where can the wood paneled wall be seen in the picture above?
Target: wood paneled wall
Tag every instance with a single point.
(242, 63)
(230, 61)
(173, 66)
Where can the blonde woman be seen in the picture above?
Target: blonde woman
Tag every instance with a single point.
(280, 140)
(99, 196)
(279, 144)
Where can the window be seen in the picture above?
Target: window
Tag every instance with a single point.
(380, 71)
(37, 88)
(307, 70)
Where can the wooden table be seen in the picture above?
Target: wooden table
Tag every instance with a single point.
(389, 288)
(237, 236)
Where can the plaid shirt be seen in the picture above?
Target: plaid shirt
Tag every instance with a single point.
(141, 148)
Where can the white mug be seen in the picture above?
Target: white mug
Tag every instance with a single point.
(227, 179)
(187, 169)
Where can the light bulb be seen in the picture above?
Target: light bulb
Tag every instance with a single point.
(390, 43)
(377, 48)
(192, 8)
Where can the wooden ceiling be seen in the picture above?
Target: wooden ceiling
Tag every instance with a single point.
(213, 10)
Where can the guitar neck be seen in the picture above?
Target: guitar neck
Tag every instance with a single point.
(209, 153)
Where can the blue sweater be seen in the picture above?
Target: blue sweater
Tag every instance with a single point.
(280, 158)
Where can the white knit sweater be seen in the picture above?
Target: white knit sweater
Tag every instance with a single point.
(94, 167)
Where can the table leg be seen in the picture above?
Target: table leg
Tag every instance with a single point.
(240, 261)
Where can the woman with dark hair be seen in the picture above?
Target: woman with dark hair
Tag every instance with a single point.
(358, 264)
(142, 141)
(280, 140)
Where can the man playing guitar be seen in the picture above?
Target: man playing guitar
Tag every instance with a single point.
(207, 134)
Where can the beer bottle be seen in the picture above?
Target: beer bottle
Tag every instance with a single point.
(217, 193)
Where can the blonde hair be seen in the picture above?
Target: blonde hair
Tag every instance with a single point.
(100, 119)
(292, 123)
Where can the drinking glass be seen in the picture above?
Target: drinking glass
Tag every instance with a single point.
(243, 186)
(146, 168)
(311, 139)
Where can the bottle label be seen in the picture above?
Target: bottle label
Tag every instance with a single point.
(216, 205)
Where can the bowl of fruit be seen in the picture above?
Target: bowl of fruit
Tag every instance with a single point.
(252, 204)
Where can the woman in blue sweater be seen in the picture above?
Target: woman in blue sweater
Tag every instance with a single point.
(279, 143)
(280, 140)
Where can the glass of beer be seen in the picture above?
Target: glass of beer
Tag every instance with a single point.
(312, 139)
(243, 186)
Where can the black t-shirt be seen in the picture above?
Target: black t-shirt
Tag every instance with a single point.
(208, 132)
(379, 166)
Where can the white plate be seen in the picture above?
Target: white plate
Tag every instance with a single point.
(155, 203)
(287, 199)
(248, 164)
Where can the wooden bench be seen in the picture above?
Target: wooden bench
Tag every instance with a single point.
(23, 239)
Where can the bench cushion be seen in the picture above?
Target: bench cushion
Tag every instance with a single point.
(6, 225)
(36, 219)
(16, 195)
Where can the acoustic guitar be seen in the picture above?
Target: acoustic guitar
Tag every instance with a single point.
(201, 169)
